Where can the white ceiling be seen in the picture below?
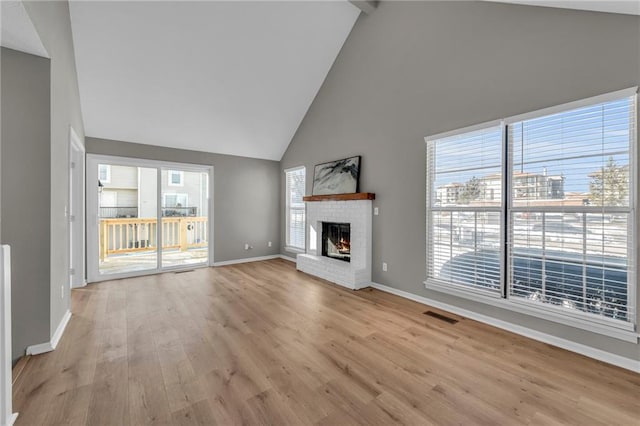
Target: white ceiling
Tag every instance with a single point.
(226, 77)
(231, 77)
(18, 32)
(629, 7)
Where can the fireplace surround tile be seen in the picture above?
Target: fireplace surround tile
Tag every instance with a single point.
(358, 213)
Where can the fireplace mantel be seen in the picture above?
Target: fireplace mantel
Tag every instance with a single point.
(341, 197)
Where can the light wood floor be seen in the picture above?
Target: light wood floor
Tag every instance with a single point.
(260, 343)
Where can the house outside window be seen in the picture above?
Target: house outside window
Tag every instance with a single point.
(538, 215)
(295, 208)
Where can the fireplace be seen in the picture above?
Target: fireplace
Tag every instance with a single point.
(354, 217)
(336, 240)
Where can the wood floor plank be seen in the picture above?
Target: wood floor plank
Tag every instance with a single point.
(262, 343)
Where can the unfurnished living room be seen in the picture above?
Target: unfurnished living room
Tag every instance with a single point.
(319, 212)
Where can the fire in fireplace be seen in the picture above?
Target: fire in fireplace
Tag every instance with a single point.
(336, 240)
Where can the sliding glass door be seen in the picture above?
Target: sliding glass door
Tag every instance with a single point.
(127, 208)
(146, 216)
(185, 217)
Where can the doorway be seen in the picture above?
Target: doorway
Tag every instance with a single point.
(147, 216)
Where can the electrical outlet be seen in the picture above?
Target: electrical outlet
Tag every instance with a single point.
(269, 244)
(384, 266)
(246, 246)
(376, 212)
(62, 291)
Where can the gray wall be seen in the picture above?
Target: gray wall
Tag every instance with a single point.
(413, 69)
(25, 171)
(245, 191)
(52, 21)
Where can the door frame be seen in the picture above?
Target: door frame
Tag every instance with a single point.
(76, 210)
(93, 272)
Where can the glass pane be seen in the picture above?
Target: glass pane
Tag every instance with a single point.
(571, 189)
(468, 169)
(296, 207)
(466, 248)
(574, 158)
(128, 224)
(573, 260)
(185, 212)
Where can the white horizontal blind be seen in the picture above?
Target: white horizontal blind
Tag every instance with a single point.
(295, 180)
(465, 209)
(570, 211)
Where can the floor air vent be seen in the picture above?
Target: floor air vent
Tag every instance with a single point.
(184, 272)
(441, 317)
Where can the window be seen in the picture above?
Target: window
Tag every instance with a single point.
(538, 210)
(465, 212)
(175, 200)
(104, 173)
(176, 178)
(295, 209)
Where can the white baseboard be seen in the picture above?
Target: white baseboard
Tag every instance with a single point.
(60, 330)
(40, 348)
(617, 360)
(10, 420)
(246, 260)
(84, 284)
(55, 339)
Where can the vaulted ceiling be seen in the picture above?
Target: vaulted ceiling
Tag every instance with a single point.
(231, 77)
(226, 77)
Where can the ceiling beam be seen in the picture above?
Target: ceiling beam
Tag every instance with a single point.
(367, 6)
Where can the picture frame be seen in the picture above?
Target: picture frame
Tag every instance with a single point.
(337, 177)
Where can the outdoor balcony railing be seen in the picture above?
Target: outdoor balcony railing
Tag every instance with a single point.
(130, 235)
(113, 212)
(121, 212)
(179, 211)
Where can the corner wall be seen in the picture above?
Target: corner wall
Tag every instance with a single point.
(413, 69)
(53, 24)
(25, 174)
(245, 195)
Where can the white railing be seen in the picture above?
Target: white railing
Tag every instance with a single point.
(130, 235)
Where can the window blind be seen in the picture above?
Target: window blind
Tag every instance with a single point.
(570, 209)
(295, 208)
(465, 208)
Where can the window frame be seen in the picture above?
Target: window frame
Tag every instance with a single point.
(623, 330)
(436, 283)
(170, 174)
(288, 246)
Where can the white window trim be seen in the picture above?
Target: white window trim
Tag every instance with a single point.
(606, 97)
(287, 246)
(172, 172)
(108, 169)
(295, 250)
(622, 330)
